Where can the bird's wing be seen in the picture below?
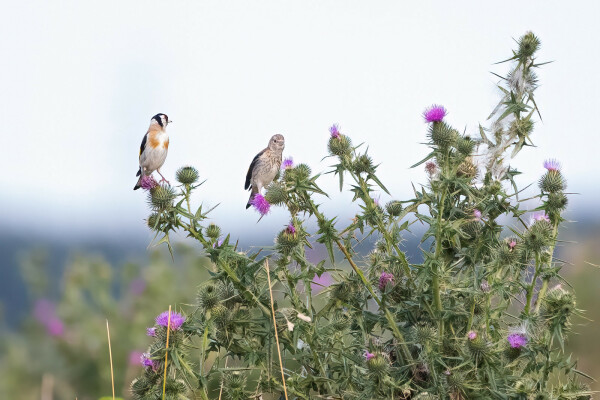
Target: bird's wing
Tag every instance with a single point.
(143, 145)
(252, 165)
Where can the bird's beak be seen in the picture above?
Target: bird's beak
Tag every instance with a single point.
(169, 122)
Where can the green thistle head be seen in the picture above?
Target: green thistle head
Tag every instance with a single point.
(208, 297)
(213, 231)
(552, 182)
(340, 146)
(161, 197)
(465, 145)
(394, 208)
(187, 175)
(528, 45)
(363, 164)
(340, 321)
(276, 193)
(442, 135)
(522, 127)
(559, 305)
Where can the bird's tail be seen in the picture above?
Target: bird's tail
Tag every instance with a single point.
(252, 194)
(139, 182)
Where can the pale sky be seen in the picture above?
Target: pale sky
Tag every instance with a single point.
(81, 79)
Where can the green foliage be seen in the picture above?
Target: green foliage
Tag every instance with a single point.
(475, 320)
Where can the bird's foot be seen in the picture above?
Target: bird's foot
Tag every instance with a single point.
(164, 180)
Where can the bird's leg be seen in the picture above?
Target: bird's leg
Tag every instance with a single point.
(163, 178)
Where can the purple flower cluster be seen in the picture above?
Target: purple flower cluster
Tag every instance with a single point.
(151, 332)
(472, 335)
(477, 215)
(287, 163)
(484, 286)
(368, 356)
(147, 362)
(261, 204)
(434, 113)
(291, 229)
(176, 320)
(539, 216)
(384, 279)
(45, 312)
(335, 131)
(552, 165)
(517, 340)
(148, 182)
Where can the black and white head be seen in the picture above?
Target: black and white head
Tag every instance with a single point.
(161, 120)
(277, 143)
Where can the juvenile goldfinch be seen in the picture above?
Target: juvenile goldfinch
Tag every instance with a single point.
(264, 167)
(153, 151)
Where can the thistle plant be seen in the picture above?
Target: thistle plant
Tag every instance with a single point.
(484, 316)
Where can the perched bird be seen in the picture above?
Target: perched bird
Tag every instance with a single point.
(264, 167)
(153, 151)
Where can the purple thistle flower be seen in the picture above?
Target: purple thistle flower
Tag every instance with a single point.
(477, 215)
(218, 243)
(517, 340)
(552, 165)
(335, 131)
(512, 244)
(434, 113)
(384, 279)
(368, 356)
(291, 229)
(447, 372)
(472, 335)
(151, 332)
(287, 163)
(147, 362)
(261, 204)
(148, 182)
(539, 216)
(176, 320)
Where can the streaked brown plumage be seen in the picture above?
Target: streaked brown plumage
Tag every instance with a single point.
(264, 167)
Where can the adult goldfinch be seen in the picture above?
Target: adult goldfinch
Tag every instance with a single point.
(153, 151)
(264, 167)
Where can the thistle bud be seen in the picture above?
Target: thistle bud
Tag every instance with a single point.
(161, 197)
(213, 231)
(276, 193)
(559, 305)
(287, 240)
(552, 182)
(479, 348)
(442, 134)
(187, 175)
(340, 321)
(394, 208)
(528, 45)
(556, 202)
(539, 234)
(363, 163)
(378, 364)
(522, 127)
(208, 297)
(340, 145)
(464, 145)
(302, 171)
(154, 221)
